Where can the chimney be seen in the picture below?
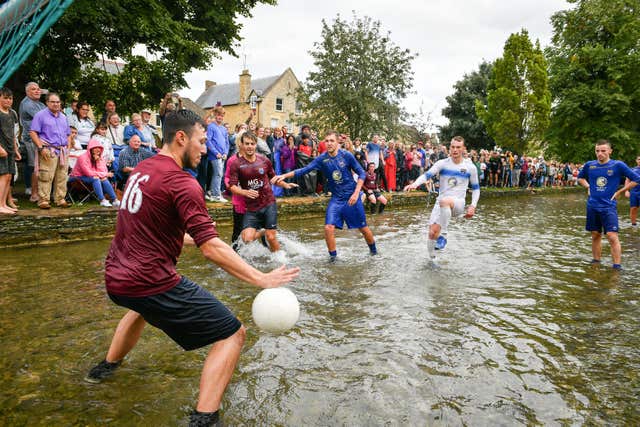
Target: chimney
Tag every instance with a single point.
(245, 86)
(208, 84)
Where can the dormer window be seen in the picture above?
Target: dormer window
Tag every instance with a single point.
(253, 101)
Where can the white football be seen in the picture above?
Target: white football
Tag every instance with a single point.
(275, 309)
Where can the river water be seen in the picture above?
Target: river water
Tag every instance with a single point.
(515, 327)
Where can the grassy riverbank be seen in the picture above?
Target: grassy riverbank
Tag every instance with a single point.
(34, 226)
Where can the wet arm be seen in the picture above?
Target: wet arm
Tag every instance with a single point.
(225, 257)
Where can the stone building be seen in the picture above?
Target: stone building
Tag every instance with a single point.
(273, 99)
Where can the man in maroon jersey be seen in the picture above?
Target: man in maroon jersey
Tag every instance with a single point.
(160, 204)
(250, 177)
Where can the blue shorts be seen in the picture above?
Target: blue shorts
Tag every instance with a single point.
(634, 200)
(603, 218)
(266, 218)
(189, 314)
(339, 212)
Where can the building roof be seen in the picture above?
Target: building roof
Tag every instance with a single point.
(190, 105)
(111, 67)
(229, 94)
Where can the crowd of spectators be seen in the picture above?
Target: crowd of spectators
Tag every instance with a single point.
(58, 146)
(506, 169)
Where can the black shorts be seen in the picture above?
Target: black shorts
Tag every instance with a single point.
(374, 193)
(8, 164)
(189, 314)
(266, 218)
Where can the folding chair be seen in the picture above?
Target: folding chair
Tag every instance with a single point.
(78, 192)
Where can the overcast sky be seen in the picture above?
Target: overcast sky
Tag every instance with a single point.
(451, 38)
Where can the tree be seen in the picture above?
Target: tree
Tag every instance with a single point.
(361, 78)
(178, 35)
(518, 101)
(461, 109)
(594, 64)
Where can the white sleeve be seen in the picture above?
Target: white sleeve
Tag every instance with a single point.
(433, 171)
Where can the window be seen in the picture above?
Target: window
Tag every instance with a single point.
(274, 123)
(253, 101)
(279, 104)
(298, 107)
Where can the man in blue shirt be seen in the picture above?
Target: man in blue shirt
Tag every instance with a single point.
(634, 196)
(217, 150)
(602, 177)
(345, 204)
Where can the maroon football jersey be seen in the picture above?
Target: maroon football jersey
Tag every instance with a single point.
(159, 203)
(254, 176)
(370, 181)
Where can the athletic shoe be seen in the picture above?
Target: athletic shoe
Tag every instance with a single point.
(441, 243)
(27, 191)
(101, 371)
(115, 203)
(63, 204)
(222, 199)
(333, 258)
(105, 203)
(209, 197)
(205, 419)
(44, 205)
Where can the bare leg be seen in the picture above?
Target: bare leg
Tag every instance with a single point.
(217, 371)
(368, 235)
(274, 245)
(596, 245)
(633, 213)
(4, 191)
(434, 231)
(249, 235)
(330, 236)
(616, 247)
(126, 336)
(10, 199)
(34, 187)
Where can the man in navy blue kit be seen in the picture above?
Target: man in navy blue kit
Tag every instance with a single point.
(345, 204)
(602, 177)
(634, 196)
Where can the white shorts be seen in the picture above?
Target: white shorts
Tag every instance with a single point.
(458, 210)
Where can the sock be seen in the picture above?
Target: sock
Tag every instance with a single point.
(372, 248)
(445, 216)
(617, 266)
(431, 248)
(333, 254)
(372, 208)
(381, 208)
(202, 419)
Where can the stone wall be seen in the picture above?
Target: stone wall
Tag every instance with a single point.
(36, 227)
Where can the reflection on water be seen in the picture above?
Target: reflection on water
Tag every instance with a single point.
(514, 328)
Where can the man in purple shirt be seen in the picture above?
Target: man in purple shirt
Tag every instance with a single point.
(49, 132)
